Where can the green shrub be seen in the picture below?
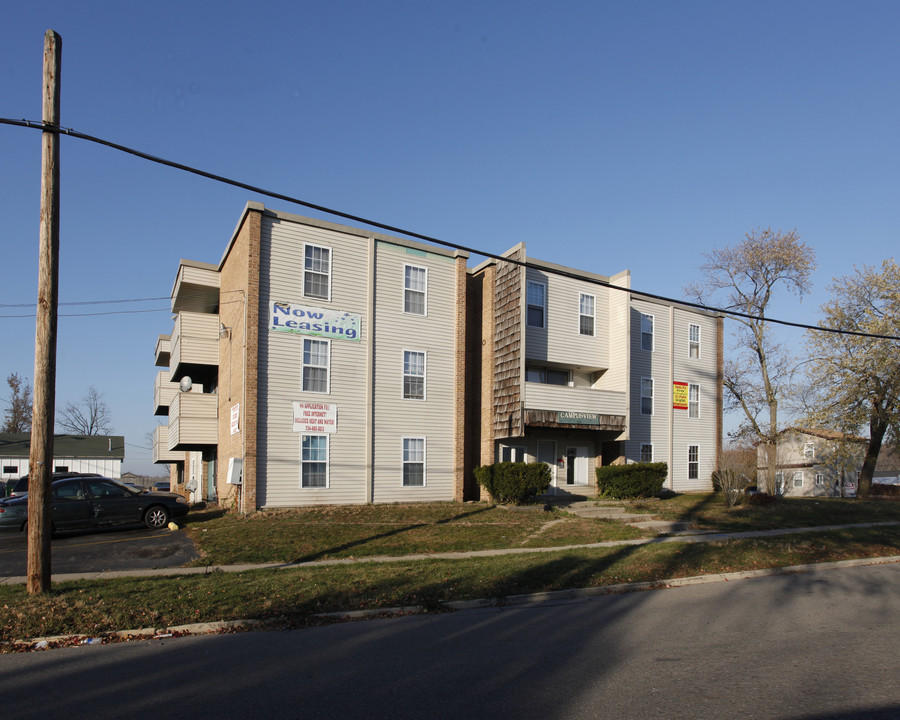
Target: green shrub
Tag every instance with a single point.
(509, 482)
(637, 480)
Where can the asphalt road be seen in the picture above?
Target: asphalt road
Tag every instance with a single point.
(119, 548)
(818, 645)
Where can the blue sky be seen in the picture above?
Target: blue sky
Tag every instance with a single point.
(605, 135)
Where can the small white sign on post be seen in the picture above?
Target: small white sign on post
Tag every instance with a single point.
(235, 419)
(313, 417)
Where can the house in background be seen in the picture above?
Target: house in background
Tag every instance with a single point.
(814, 462)
(101, 454)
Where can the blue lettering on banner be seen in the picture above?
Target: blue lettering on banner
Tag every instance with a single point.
(329, 323)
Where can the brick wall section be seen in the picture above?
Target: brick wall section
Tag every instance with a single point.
(239, 311)
(459, 420)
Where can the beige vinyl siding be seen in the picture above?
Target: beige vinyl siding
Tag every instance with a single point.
(396, 418)
(161, 452)
(649, 364)
(280, 361)
(196, 288)
(163, 393)
(687, 430)
(560, 341)
(618, 333)
(194, 340)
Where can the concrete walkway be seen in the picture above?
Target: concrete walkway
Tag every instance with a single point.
(684, 538)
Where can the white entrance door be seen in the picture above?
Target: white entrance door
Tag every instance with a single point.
(577, 466)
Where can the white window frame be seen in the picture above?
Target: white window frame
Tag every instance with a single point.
(809, 450)
(306, 270)
(423, 375)
(582, 315)
(542, 306)
(693, 402)
(798, 475)
(304, 365)
(404, 462)
(650, 396)
(408, 291)
(779, 483)
(648, 320)
(820, 480)
(641, 452)
(693, 466)
(693, 343)
(317, 460)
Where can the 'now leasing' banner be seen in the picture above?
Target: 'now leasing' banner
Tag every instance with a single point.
(304, 320)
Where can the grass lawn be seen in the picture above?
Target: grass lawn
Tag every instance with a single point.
(294, 597)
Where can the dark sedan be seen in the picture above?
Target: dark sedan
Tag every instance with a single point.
(80, 502)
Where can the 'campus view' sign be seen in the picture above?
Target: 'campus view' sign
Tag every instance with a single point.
(304, 320)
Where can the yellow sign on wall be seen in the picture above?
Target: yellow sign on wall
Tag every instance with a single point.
(680, 395)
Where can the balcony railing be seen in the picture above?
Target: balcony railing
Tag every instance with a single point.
(163, 345)
(194, 342)
(161, 452)
(562, 398)
(193, 421)
(163, 392)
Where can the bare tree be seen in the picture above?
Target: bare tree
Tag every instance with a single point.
(18, 414)
(863, 387)
(88, 416)
(746, 276)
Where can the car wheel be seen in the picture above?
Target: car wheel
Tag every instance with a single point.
(156, 517)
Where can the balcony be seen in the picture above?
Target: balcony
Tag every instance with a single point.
(163, 345)
(543, 403)
(193, 421)
(163, 392)
(196, 288)
(194, 345)
(161, 452)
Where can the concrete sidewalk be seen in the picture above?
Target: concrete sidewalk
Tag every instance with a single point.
(708, 537)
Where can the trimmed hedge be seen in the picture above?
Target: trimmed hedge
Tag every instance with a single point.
(637, 480)
(510, 482)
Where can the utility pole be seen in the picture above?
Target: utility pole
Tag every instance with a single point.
(43, 413)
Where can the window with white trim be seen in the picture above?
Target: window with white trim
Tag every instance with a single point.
(413, 375)
(820, 480)
(313, 461)
(693, 400)
(646, 396)
(646, 452)
(693, 462)
(536, 304)
(415, 289)
(413, 462)
(317, 272)
(646, 332)
(586, 314)
(798, 479)
(779, 483)
(809, 450)
(315, 365)
(694, 341)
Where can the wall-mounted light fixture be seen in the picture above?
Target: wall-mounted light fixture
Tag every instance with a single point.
(224, 331)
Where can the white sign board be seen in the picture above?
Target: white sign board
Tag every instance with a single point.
(304, 320)
(313, 417)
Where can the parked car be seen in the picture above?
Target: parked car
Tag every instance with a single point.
(162, 486)
(21, 485)
(84, 501)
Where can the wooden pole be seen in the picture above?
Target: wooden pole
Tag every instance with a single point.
(43, 414)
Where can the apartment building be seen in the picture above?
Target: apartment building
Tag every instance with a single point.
(577, 372)
(317, 363)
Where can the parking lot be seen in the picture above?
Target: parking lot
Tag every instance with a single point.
(119, 548)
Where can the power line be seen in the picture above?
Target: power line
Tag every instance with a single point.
(419, 236)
